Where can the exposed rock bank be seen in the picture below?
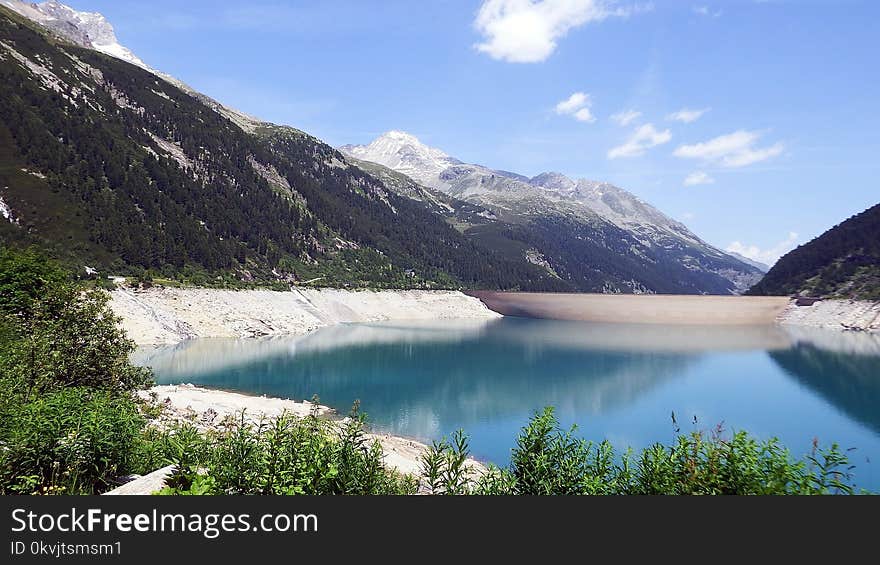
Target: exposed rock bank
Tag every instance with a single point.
(206, 409)
(856, 315)
(169, 315)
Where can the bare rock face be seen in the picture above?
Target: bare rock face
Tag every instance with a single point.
(86, 29)
(610, 211)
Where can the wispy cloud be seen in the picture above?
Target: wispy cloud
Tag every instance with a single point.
(642, 139)
(767, 256)
(527, 31)
(733, 150)
(577, 106)
(697, 178)
(706, 11)
(626, 117)
(686, 115)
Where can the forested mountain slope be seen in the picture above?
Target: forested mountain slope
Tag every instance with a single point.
(843, 262)
(115, 167)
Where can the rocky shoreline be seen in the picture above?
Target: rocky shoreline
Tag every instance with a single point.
(848, 315)
(208, 408)
(162, 315)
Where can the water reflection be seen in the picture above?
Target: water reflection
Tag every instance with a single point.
(487, 377)
(201, 356)
(850, 382)
(418, 380)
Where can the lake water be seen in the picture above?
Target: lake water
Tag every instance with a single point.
(620, 382)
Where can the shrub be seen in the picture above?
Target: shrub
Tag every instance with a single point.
(70, 441)
(69, 421)
(287, 455)
(548, 460)
(26, 277)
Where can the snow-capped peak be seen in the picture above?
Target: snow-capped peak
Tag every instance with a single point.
(404, 152)
(402, 136)
(87, 29)
(554, 181)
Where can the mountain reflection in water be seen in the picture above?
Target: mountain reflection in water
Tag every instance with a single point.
(617, 381)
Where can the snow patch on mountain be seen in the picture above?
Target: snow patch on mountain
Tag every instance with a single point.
(6, 212)
(404, 153)
(87, 29)
(553, 194)
(92, 31)
(547, 192)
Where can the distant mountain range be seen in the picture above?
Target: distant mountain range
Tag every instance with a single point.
(115, 165)
(593, 234)
(763, 267)
(843, 262)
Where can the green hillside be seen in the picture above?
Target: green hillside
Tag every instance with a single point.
(844, 262)
(110, 166)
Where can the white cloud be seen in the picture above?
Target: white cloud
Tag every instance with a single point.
(706, 11)
(735, 149)
(697, 178)
(642, 139)
(527, 31)
(584, 115)
(686, 115)
(573, 103)
(767, 256)
(688, 216)
(577, 106)
(626, 117)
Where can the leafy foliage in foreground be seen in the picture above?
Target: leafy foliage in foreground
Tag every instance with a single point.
(288, 455)
(548, 460)
(309, 455)
(69, 422)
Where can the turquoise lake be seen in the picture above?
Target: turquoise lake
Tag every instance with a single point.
(616, 382)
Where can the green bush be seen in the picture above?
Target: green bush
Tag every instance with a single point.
(548, 460)
(69, 420)
(284, 456)
(26, 277)
(69, 441)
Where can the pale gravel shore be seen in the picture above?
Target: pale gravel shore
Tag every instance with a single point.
(207, 408)
(854, 315)
(162, 316)
(168, 315)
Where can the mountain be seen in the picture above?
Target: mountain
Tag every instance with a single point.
(110, 164)
(86, 29)
(763, 267)
(595, 235)
(115, 165)
(843, 262)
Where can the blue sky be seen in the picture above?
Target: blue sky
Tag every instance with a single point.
(778, 140)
